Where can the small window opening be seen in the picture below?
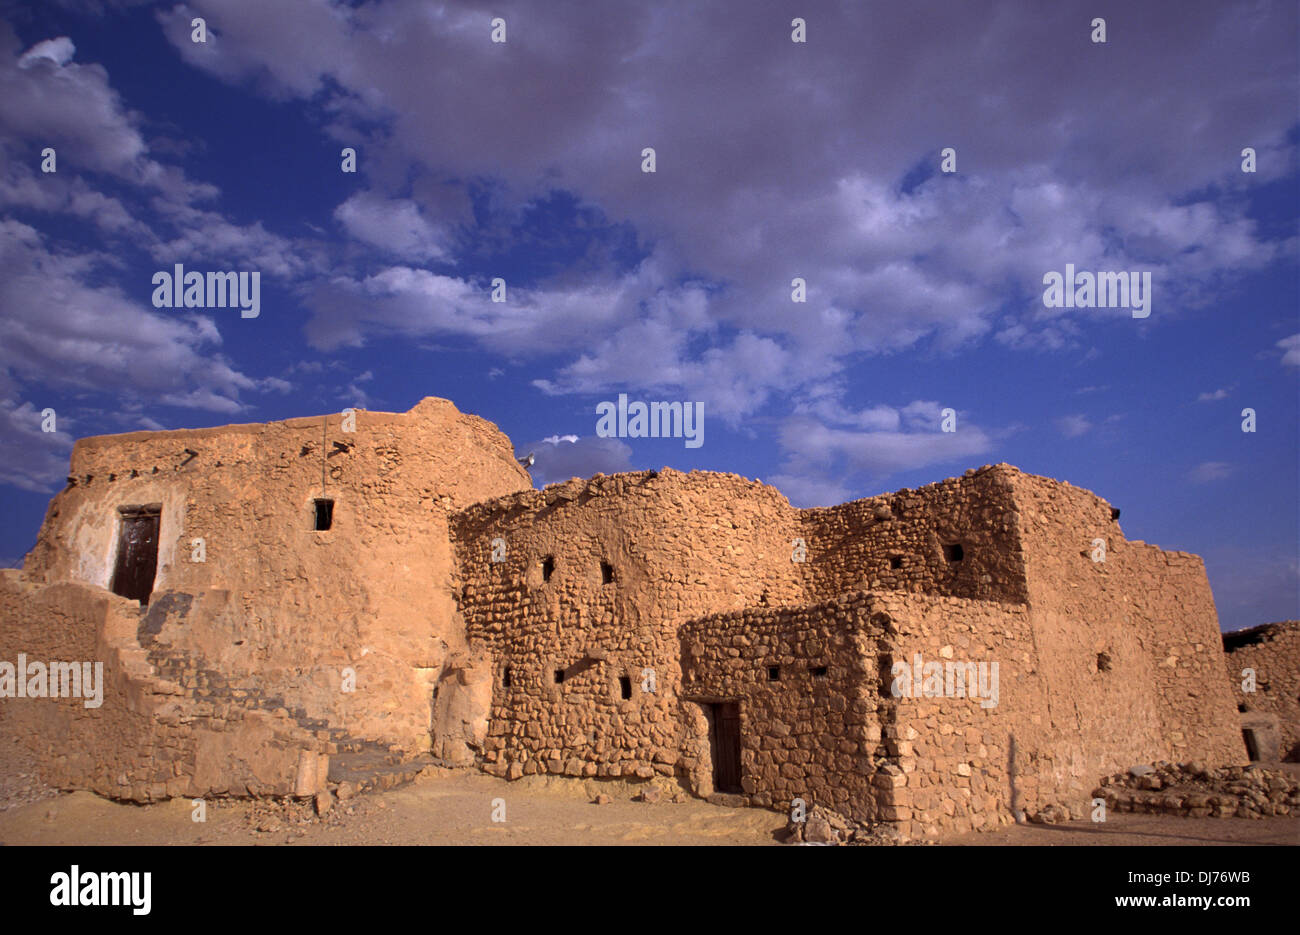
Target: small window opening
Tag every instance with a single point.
(559, 676)
(953, 552)
(1103, 662)
(324, 514)
(606, 573)
(895, 561)
(505, 678)
(1241, 708)
(625, 686)
(819, 672)
(774, 673)
(548, 567)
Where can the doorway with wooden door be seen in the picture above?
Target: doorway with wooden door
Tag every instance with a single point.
(724, 745)
(137, 552)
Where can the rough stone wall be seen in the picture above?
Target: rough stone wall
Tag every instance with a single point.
(854, 546)
(373, 593)
(1273, 651)
(1128, 647)
(806, 735)
(148, 739)
(678, 546)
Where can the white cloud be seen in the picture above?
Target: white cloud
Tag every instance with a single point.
(34, 460)
(1209, 471)
(1209, 397)
(1291, 350)
(394, 225)
(1074, 425)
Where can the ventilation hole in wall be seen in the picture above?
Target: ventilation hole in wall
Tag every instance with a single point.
(819, 672)
(559, 676)
(1103, 662)
(548, 567)
(625, 687)
(606, 573)
(1241, 708)
(1114, 514)
(324, 514)
(954, 552)
(505, 678)
(895, 561)
(774, 673)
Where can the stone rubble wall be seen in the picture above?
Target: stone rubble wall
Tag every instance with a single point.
(853, 546)
(1273, 651)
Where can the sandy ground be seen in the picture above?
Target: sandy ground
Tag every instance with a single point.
(457, 808)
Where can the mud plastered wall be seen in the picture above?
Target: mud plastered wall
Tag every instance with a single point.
(148, 739)
(951, 538)
(1128, 646)
(371, 594)
(630, 557)
(1273, 652)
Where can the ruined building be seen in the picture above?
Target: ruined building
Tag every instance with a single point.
(281, 606)
(1264, 665)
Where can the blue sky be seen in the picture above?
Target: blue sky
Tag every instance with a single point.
(775, 159)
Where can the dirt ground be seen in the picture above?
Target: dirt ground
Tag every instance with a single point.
(454, 807)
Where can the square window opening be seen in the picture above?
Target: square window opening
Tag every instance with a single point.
(954, 552)
(895, 561)
(774, 673)
(559, 676)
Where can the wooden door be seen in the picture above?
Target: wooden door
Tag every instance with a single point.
(137, 554)
(726, 747)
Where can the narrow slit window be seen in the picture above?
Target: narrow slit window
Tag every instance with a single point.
(606, 573)
(548, 567)
(505, 678)
(324, 514)
(774, 673)
(625, 687)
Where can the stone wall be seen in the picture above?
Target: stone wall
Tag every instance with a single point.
(674, 546)
(1273, 651)
(909, 541)
(813, 732)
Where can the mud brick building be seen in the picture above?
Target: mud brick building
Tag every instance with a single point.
(280, 606)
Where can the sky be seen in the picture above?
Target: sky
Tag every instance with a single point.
(774, 161)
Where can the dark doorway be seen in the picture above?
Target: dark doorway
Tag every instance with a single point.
(1252, 744)
(724, 744)
(137, 553)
